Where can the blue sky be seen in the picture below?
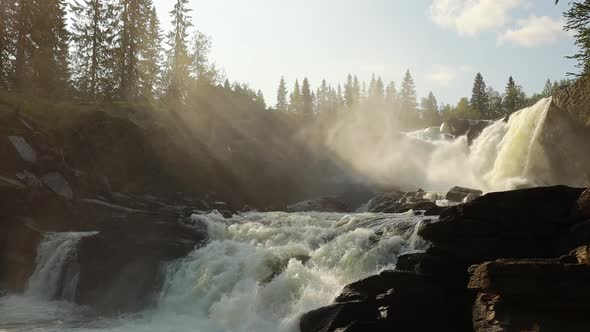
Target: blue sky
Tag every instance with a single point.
(444, 43)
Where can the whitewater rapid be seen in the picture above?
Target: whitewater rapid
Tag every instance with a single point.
(259, 272)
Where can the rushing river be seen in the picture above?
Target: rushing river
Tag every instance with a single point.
(259, 272)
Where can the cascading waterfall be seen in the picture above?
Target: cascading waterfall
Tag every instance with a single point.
(259, 272)
(506, 155)
(55, 276)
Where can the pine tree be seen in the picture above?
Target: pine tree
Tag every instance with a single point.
(92, 35)
(391, 97)
(8, 10)
(49, 59)
(131, 35)
(323, 95)
(349, 92)
(511, 97)
(496, 109)
(306, 100)
(260, 99)
(295, 98)
(24, 46)
(429, 110)
(177, 75)
(408, 102)
(282, 104)
(577, 18)
(356, 90)
(151, 56)
(379, 92)
(479, 98)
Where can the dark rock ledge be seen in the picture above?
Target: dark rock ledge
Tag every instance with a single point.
(507, 261)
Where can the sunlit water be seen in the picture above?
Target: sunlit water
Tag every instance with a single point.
(259, 272)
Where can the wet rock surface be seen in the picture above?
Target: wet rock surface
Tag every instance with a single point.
(507, 261)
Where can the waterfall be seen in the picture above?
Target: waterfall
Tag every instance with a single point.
(56, 275)
(506, 155)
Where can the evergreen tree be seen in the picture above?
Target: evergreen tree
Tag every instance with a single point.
(577, 18)
(379, 91)
(479, 98)
(429, 110)
(295, 98)
(282, 104)
(133, 28)
(260, 99)
(8, 10)
(511, 97)
(408, 102)
(306, 100)
(356, 90)
(391, 97)
(151, 56)
(177, 71)
(227, 85)
(24, 46)
(349, 92)
(323, 96)
(49, 58)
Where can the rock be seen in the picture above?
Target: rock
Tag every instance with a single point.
(120, 266)
(521, 223)
(390, 301)
(532, 294)
(336, 316)
(475, 130)
(410, 261)
(25, 151)
(385, 202)
(322, 204)
(18, 250)
(58, 184)
(460, 194)
(584, 203)
(575, 236)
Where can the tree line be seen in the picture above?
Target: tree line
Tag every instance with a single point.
(111, 50)
(485, 103)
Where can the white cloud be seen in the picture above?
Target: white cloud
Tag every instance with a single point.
(443, 75)
(533, 31)
(471, 17)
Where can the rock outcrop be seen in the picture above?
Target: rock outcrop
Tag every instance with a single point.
(525, 276)
(400, 202)
(460, 194)
(532, 294)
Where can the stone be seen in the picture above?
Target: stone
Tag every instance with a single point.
(23, 148)
(459, 194)
(58, 184)
(322, 204)
(584, 203)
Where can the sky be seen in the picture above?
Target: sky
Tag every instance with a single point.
(443, 43)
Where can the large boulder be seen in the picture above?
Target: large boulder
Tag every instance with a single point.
(584, 203)
(532, 294)
(521, 223)
(392, 300)
(120, 267)
(461, 194)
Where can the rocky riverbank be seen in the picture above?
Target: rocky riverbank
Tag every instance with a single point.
(507, 261)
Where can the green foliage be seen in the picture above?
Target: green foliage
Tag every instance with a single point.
(479, 97)
(282, 104)
(408, 113)
(306, 99)
(577, 21)
(429, 111)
